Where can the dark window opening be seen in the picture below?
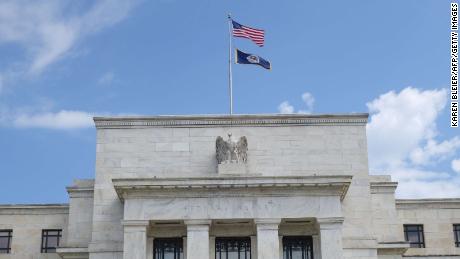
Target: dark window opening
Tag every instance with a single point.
(414, 235)
(168, 248)
(5, 241)
(297, 247)
(457, 234)
(50, 240)
(233, 248)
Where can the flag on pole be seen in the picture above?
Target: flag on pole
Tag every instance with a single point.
(256, 35)
(246, 58)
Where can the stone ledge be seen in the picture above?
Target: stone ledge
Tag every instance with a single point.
(232, 186)
(392, 248)
(230, 120)
(73, 252)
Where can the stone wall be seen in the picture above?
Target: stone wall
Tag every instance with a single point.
(279, 145)
(27, 222)
(437, 217)
(81, 204)
(184, 146)
(386, 224)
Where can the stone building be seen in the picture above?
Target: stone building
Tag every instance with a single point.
(232, 187)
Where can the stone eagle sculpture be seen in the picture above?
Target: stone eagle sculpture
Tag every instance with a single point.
(231, 151)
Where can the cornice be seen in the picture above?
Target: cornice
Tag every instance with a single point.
(33, 209)
(449, 203)
(81, 188)
(79, 192)
(383, 187)
(232, 186)
(198, 121)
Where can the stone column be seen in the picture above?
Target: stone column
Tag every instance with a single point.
(198, 239)
(268, 245)
(135, 239)
(331, 237)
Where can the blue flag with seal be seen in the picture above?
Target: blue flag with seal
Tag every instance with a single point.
(246, 58)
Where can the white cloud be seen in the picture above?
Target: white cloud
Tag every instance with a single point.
(41, 116)
(48, 31)
(456, 165)
(403, 140)
(400, 122)
(106, 78)
(434, 151)
(308, 100)
(59, 120)
(285, 107)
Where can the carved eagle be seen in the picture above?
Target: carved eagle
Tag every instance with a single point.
(227, 151)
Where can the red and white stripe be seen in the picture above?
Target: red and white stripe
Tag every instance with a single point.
(256, 35)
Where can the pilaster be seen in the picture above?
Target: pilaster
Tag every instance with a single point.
(331, 237)
(268, 244)
(135, 239)
(197, 239)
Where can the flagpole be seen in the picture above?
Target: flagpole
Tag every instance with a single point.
(230, 86)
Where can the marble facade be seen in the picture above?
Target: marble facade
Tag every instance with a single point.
(305, 175)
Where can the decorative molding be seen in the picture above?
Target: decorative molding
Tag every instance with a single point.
(229, 120)
(208, 187)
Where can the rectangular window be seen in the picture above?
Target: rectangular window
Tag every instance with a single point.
(414, 235)
(457, 234)
(233, 248)
(297, 247)
(50, 240)
(167, 248)
(6, 235)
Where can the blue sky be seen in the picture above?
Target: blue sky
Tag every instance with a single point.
(64, 61)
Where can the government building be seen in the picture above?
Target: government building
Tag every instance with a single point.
(232, 187)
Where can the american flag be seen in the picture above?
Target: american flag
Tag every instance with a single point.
(256, 35)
